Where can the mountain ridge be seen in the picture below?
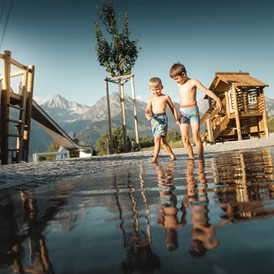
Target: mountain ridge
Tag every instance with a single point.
(90, 123)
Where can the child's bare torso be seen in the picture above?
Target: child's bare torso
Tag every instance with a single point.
(159, 104)
(187, 92)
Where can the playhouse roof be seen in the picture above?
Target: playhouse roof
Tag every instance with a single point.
(237, 79)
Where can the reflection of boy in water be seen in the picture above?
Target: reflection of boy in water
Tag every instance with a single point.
(167, 212)
(202, 232)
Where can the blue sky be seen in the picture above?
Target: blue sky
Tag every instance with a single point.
(57, 37)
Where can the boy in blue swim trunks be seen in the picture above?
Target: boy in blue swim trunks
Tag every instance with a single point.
(189, 111)
(156, 113)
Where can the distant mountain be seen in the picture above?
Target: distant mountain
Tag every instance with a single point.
(269, 106)
(61, 110)
(90, 123)
(98, 116)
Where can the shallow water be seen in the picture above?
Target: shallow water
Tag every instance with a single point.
(213, 216)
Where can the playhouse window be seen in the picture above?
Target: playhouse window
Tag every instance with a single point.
(252, 99)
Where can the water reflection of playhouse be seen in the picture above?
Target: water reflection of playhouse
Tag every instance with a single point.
(244, 114)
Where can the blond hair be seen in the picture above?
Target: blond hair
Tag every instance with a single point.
(154, 81)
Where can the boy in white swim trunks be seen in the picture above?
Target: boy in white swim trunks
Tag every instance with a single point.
(156, 113)
(189, 111)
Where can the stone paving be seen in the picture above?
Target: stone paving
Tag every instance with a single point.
(31, 174)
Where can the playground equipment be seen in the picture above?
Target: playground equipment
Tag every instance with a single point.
(26, 109)
(244, 114)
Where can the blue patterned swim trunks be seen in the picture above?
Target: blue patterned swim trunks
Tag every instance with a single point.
(159, 124)
(189, 115)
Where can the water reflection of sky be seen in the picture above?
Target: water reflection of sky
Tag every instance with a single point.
(185, 216)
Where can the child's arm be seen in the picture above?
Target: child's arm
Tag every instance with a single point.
(210, 93)
(148, 110)
(173, 110)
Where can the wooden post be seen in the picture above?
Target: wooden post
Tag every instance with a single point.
(264, 114)
(227, 105)
(209, 131)
(122, 103)
(109, 119)
(30, 84)
(237, 117)
(135, 113)
(5, 108)
(0, 120)
(22, 118)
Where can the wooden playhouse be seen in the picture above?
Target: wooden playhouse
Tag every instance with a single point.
(244, 113)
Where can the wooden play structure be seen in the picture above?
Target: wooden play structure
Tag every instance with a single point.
(18, 109)
(21, 103)
(244, 114)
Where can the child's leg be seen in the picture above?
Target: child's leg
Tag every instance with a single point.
(157, 143)
(184, 128)
(197, 139)
(167, 148)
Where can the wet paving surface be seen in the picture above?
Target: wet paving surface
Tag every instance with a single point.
(211, 216)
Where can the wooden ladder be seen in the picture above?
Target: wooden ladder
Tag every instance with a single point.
(20, 125)
(21, 103)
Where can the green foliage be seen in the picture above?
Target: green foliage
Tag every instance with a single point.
(271, 124)
(119, 55)
(173, 136)
(52, 148)
(75, 153)
(145, 141)
(102, 144)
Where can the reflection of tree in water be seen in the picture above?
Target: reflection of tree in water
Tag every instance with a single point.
(137, 242)
(247, 185)
(203, 233)
(32, 229)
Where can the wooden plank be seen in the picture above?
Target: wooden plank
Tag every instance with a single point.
(17, 64)
(5, 113)
(30, 82)
(120, 77)
(14, 74)
(237, 118)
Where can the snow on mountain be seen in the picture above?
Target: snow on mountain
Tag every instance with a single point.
(60, 109)
(58, 101)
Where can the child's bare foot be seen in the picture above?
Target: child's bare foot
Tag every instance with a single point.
(153, 161)
(173, 158)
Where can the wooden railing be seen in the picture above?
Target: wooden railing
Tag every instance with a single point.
(215, 122)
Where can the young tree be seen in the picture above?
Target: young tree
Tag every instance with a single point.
(119, 54)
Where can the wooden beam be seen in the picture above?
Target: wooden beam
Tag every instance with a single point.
(135, 113)
(5, 113)
(30, 83)
(17, 73)
(17, 64)
(264, 115)
(237, 117)
(109, 120)
(120, 77)
(123, 113)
